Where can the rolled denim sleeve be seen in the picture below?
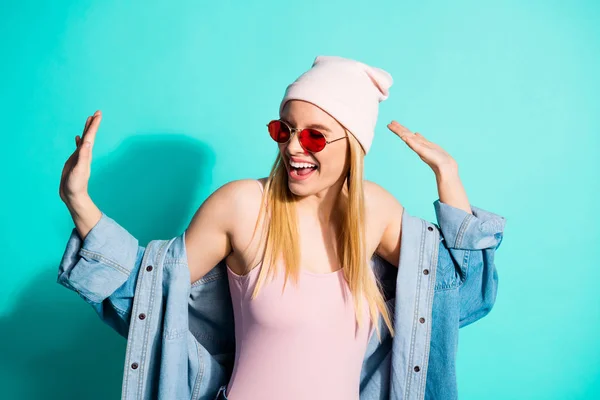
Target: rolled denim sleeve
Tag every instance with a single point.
(472, 240)
(461, 230)
(103, 270)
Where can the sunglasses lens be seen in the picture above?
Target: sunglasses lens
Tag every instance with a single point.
(312, 140)
(279, 132)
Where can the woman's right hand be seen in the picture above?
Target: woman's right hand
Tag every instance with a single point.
(76, 172)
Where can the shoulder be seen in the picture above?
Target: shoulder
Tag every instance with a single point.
(379, 197)
(232, 201)
(240, 188)
(240, 193)
(238, 199)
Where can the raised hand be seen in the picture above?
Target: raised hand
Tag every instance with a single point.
(432, 154)
(76, 172)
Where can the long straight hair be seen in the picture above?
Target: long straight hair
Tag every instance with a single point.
(281, 233)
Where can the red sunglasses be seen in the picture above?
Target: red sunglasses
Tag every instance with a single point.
(310, 139)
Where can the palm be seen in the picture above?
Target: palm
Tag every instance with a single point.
(431, 153)
(76, 171)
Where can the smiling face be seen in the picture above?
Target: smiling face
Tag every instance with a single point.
(331, 162)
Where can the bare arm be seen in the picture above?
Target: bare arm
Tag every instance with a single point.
(208, 237)
(85, 215)
(390, 210)
(450, 188)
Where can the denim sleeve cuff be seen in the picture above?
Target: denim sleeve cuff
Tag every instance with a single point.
(461, 230)
(100, 264)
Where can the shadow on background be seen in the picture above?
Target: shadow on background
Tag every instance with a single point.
(59, 348)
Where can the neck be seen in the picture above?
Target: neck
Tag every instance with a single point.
(323, 205)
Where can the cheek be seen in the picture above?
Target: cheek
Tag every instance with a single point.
(332, 164)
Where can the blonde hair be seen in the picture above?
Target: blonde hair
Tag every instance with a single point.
(281, 232)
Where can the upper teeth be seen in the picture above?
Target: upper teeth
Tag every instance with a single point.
(301, 165)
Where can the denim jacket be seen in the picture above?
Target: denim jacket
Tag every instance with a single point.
(180, 336)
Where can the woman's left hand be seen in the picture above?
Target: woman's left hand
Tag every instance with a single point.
(433, 155)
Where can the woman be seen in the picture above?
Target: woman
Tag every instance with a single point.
(319, 221)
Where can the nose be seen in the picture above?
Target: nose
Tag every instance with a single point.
(294, 146)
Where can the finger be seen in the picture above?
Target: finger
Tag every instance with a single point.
(85, 155)
(90, 134)
(68, 165)
(87, 124)
(419, 137)
(396, 127)
(424, 141)
(414, 142)
(88, 121)
(400, 131)
(415, 145)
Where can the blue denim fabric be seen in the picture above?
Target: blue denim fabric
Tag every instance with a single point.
(180, 337)
(465, 289)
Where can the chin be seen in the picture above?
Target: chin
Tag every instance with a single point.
(298, 188)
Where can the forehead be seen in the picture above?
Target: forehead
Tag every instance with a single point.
(303, 114)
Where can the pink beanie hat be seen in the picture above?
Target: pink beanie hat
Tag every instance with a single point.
(348, 90)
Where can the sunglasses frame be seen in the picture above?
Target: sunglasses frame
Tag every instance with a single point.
(296, 130)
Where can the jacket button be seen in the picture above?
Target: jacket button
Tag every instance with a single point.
(149, 268)
(142, 316)
(134, 365)
(417, 369)
(422, 320)
(426, 271)
(429, 228)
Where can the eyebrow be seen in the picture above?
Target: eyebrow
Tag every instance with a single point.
(312, 126)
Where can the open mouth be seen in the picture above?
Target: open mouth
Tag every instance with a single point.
(301, 171)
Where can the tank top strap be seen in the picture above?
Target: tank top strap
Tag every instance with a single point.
(260, 185)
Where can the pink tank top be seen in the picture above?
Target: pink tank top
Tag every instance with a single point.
(302, 343)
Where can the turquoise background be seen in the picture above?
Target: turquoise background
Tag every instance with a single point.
(509, 89)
